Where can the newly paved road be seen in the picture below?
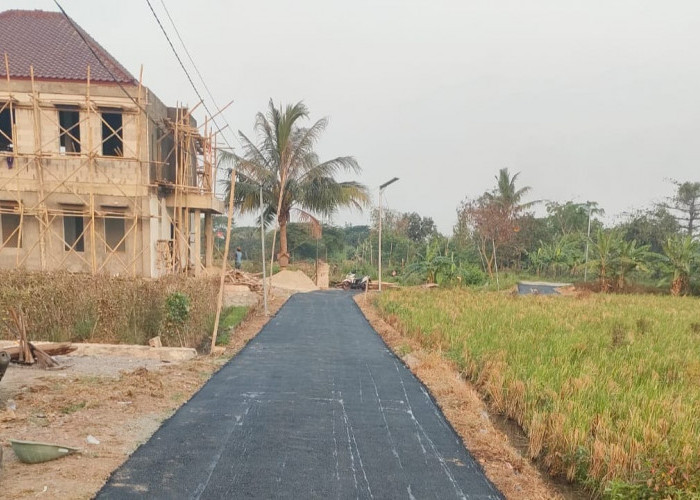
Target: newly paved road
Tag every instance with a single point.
(315, 406)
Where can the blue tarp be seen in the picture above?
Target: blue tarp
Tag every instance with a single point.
(539, 288)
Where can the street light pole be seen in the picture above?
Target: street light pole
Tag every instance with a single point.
(381, 190)
(588, 238)
(262, 244)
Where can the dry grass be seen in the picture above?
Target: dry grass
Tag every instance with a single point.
(61, 306)
(606, 387)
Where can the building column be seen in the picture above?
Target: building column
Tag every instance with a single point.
(209, 240)
(197, 242)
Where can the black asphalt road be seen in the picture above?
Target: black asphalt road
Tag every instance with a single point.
(315, 406)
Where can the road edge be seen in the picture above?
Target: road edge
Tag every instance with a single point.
(465, 411)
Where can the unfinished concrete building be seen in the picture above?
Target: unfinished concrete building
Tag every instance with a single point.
(97, 175)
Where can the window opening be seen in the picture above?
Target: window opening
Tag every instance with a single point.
(69, 130)
(73, 228)
(115, 230)
(112, 137)
(10, 230)
(7, 122)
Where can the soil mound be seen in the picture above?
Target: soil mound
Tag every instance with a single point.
(293, 280)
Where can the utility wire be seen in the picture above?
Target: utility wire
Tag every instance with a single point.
(106, 68)
(187, 73)
(194, 65)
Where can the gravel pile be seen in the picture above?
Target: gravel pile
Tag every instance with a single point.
(293, 280)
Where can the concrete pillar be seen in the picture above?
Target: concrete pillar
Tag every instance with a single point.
(322, 275)
(197, 242)
(209, 240)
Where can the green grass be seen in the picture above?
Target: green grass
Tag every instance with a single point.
(607, 387)
(230, 318)
(72, 408)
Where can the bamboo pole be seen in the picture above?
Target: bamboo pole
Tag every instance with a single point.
(225, 262)
(39, 167)
(7, 73)
(135, 239)
(19, 235)
(13, 132)
(91, 180)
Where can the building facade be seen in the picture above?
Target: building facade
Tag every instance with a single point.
(96, 174)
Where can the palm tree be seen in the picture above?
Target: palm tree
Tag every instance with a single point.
(507, 195)
(681, 255)
(501, 208)
(284, 163)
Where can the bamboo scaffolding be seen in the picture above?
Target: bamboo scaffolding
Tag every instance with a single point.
(48, 185)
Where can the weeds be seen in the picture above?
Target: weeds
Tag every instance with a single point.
(230, 318)
(72, 408)
(404, 349)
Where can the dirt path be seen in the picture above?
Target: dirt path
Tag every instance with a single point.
(515, 476)
(118, 401)
(315, 406)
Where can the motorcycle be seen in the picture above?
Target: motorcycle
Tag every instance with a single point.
(352, 282)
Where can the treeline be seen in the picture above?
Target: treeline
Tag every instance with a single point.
(656, 246)
(499, 233)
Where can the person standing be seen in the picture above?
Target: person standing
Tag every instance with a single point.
(239, 257)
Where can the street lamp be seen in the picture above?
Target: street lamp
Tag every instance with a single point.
(381, 189)
(262, 246)
(588, 238)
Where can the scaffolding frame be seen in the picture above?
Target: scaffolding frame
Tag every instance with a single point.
(46, 186)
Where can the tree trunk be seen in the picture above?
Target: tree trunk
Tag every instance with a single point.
(679, 286)
(604, 282)
(487, 260)
(283, 256)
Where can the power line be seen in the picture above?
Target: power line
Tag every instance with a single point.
(194, 65)
(182, 65)
(106, 68)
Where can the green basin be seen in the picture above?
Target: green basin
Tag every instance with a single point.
(31, 452)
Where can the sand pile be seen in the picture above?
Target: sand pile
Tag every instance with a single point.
(293, 280)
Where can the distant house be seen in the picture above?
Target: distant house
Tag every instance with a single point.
(96, 174)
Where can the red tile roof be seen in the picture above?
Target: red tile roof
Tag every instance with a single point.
(48, 42)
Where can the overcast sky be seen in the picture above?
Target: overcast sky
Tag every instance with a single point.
(589, 100)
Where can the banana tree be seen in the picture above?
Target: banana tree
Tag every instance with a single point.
(630, 258)
(605, 249)
(681, 255)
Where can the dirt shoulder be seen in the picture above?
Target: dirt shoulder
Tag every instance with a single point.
(120, 402)
(515, 476)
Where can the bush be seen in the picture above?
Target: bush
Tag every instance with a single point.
(177, 312)
(471, 275)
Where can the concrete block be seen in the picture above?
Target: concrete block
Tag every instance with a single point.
(239, 295)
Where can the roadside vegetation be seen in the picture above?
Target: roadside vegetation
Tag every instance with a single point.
(605, 386)
(66, 307)
(230, 318)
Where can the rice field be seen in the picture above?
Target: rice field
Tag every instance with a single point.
(607, 387)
